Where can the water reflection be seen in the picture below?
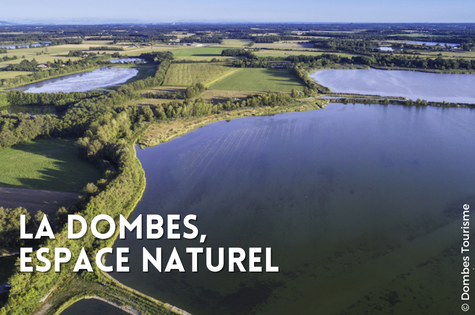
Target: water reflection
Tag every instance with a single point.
(411, 84)
(82, 82)
(358, 202)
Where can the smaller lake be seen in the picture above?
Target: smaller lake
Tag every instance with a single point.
(431, 43)
(127, 60)
(454, 88)
(82, 82)
(385, 48)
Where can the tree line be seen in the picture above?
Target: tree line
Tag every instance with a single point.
(417, 62)
(246, 53)
(10, 228)
(106, 48)
(15, 129)
(57, 99)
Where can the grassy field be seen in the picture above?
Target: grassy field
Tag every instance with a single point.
(259, 79)
(183, 52)
(186, 74)
(284, 53)
(285, 45)
(12, 74)
(450, 54)
(236, 42)
(50, 53)
(197, 52)
(46, 164)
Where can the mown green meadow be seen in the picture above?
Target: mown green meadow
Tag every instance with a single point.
(46, 164)
(260, 79)
(186, 74)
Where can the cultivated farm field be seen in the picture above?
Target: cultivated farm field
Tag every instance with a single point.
(186, 74)
(260, 79)
(12, 74)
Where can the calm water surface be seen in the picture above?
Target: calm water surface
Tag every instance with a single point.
(360, 203)
(411, 84)
(92, 307)
(82, 82)
(431, 43)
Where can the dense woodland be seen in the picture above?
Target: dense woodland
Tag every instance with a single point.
(246, 53)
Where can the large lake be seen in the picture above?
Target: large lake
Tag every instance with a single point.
(32, 110)
(411, 84)
(361, 205)
(82, 82)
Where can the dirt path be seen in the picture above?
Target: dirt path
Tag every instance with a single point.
(33, 200)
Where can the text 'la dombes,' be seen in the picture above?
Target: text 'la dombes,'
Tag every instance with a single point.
(232, 259)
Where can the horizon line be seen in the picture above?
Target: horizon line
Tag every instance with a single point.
(8, 23)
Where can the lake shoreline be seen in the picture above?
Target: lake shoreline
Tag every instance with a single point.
(151, 137)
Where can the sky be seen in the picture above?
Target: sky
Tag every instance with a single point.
(308, 11)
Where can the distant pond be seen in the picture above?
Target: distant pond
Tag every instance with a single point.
(431, 43)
